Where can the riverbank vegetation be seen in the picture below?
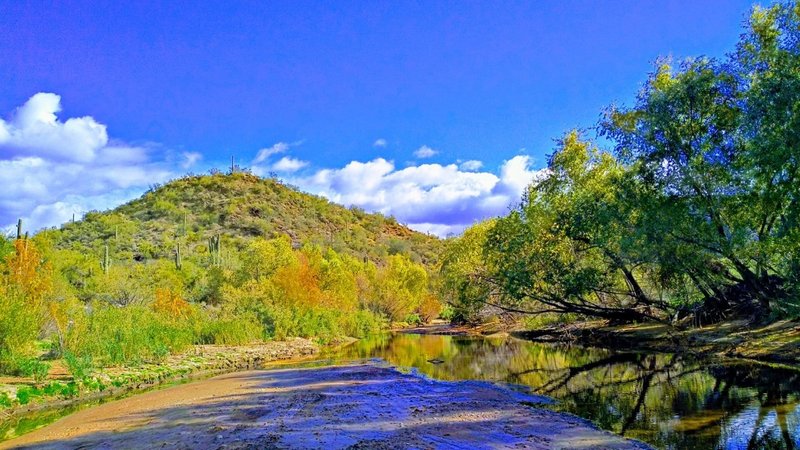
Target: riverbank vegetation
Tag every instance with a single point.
(692, 214)
(162, 274)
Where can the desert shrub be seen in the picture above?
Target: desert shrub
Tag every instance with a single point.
(413, 319)
(324, 324)
(25, 395)
(233, 330)
(362, 323)
(5, 400)
(170, 304)
(32, 367)
(545, 320)
(429, 308)
(23, 292)
(19, 327)
(447, 313)
(80, 367)
(130, 334)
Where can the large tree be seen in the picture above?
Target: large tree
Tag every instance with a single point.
(573, 246)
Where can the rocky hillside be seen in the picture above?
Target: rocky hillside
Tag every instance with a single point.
(238, 207)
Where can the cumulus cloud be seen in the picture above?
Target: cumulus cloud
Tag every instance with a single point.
(34, 130)
(380, 143)
(516, 174)
(425, 152)
(51, 169)
(435, 198)
(470, 165)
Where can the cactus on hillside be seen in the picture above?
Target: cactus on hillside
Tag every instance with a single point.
(214, 249)
(178, 260)
(106, 262)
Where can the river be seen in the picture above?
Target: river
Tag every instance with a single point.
(668, 401)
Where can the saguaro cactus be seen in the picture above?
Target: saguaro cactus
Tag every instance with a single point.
(214, 248)
(106, 262)
(178, 261)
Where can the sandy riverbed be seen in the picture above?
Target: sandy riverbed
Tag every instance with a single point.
(359, 406)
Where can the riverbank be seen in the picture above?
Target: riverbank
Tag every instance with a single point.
(352, 406)
(22, 396)
(777, 342)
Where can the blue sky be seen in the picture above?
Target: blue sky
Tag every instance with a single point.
(394, 95)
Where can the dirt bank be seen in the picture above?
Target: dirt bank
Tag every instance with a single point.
(200, 361)
(777, 342)
(353, 406)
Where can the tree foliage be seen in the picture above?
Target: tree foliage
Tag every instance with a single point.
(694, 209)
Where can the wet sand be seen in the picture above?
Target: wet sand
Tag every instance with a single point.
(360, 406)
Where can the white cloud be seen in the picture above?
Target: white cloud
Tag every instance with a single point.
(261, 165)
(51, 169)
(425, 152)
(516, 175)
(435, 198)
(471, 165)
(265, 153)
(34, 130)
(288, 164)
(379, 143)
(190, 159)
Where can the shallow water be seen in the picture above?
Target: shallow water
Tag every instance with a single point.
(669, 401)
(666, 400)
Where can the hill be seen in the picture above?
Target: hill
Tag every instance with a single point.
(239, 207)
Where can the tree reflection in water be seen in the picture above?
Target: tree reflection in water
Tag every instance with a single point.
(670, 401)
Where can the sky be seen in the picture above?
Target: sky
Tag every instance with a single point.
(439, 113)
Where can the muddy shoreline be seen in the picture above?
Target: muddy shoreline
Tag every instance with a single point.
(201, 362)
(365, 405)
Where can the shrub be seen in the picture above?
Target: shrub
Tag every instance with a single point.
(80, 367)
(429, 308)
(5, 400)
(236, 330)
(25, 394)
(126, 335)
(413, 319)
(19, 328)
(549, 319)
(32, 367)
(447, 313)
(362, 323)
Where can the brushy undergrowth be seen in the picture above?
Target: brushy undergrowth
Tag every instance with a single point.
(104, 293)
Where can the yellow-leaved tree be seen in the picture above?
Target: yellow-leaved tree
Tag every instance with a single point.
(24, 289)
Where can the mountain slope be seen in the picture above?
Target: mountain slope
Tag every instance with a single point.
(239, 207)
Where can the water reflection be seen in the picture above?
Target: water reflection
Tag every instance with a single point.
(666, 400)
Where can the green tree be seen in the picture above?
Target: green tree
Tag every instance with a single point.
(573, 246)
(464, 283)
(401, 287)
